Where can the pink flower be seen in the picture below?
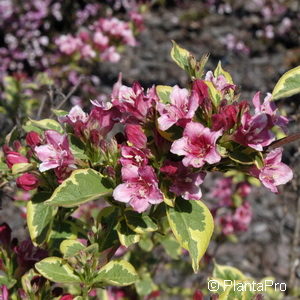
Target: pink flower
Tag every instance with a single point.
(222, 191)
(56, 153)
(200, 92)
(13, 157)
(242, 217)
(66, 297)
(136, 135)
(226, 223)
(68, 44)
(133, 156)
(254, 131)
(132, 102)
(181, 109)
(268, 107)
(274, 172)
(33, 139)
(219, 82)
(4, 292)
(87, 52)
(140, 188)
(100, 39)
(226, 118)
(27, 182)
(198, 145)
(185, 182)
(110, 54)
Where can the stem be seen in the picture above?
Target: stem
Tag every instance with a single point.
(85, 292)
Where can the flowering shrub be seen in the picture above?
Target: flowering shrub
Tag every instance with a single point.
(143, 156)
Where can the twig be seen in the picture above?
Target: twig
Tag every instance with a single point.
(66, 98)
(41, 108)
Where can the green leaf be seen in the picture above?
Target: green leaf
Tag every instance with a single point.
(44, 124)
(139, 223)
(227, 273)
(146, 243)
(70, 248)
(242, 158)
(288, 84)
(82, 186)
(192, 225)
(118, 273)
(59, 112)
(145, 285)
(40, 217)
(126, 236)
(181, 57)
(220, 71)
(108, 218)
(77, 147)
(163, 93)
(57, 270)
(170, 245)
(215, 95)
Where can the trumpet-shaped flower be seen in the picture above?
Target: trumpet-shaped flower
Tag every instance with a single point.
(56, 153)
(180, 111)
(140, 188)
(274, 172)
(198, 145)
(254, 131)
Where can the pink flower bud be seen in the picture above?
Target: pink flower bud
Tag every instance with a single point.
(14, 158)
(66, 297)
(33, 139)
(198, 295)
(27, 182)
(135, 135)
(5, 235)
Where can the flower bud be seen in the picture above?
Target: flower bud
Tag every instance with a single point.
(27, 182)
(135, 135)
(14, 158)
(33, 139)
(5, 235)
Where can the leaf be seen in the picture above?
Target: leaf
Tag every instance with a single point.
(145, 285)
(40, 217)
(21, 168)
(220, 71)
(108, 218)
(215, 95)
(192, 225)
(242, 158)
(44, 124)
(57, 270)
(70, 248)
(82, 186)
(288, 84)
(59, 112)
(171, 246)
(139, 223)
(77, 147)
(126, 236)
(146, 243)
(163, 93)
(227, 273)
(181, 57)
(118, 273)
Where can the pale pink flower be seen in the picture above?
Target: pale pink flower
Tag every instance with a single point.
(198, 145)
(68, 44)
(219, 82)
(181, 109)
(140, 188)
(268, 107)
(222, 191)
(87, 51)
(110, 54)
(274, 172)
(254, 131)
(100, 39)
(76, 114)
(56, 153)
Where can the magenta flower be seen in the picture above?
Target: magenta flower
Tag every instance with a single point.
(185, 182)
(33, 139)
(219, 82)
(140, 188)
(68, 44)
(136, 135)
(56, 153)
(133, 156)
(268, 107)
(4, 292)
(27, 182)
(254, 131)
(222, 191)
(13, 157)
(181, 109)
(198, 145)
(274, 172)
(5, 235)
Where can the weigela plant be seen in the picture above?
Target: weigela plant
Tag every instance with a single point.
(139, 160)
